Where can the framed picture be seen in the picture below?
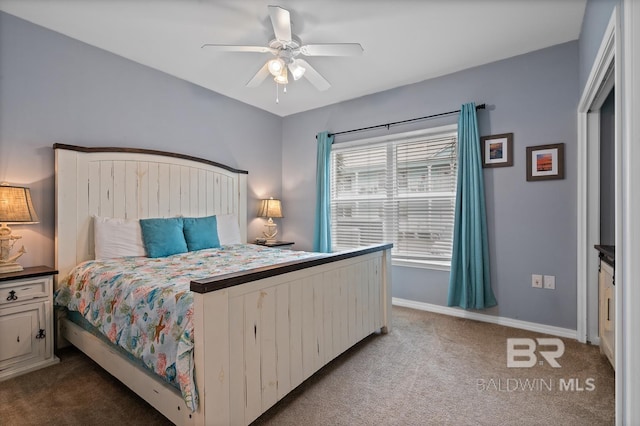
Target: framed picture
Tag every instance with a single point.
(545, 162)
(497, 150)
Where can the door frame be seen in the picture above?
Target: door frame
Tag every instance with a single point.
(628, 233)
(598, 86)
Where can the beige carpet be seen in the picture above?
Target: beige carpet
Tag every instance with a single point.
(431, 369)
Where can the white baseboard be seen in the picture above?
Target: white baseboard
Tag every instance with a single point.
(507, 322)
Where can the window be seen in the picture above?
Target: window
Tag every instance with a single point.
(400, 190)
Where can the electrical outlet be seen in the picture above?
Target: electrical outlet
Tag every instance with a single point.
(550, 282)
(536, 281)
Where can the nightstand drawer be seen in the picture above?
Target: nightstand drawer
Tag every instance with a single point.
(24, 290)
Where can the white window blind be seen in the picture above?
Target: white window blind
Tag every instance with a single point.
(400, 191)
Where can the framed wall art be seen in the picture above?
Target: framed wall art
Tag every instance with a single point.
(497, 150)
(545, 162)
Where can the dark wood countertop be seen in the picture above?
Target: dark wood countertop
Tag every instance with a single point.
(607, 254)
(29, 272)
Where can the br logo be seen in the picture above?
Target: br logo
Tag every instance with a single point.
(521, 353)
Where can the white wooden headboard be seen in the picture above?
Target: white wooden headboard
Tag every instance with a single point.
(136, 184)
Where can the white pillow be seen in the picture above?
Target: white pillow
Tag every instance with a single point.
(228, 229)
(117, 237)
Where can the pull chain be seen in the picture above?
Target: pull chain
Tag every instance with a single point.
(278, 92)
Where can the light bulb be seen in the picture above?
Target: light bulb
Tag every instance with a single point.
(276, 66)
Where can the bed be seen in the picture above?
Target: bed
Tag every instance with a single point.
(257, 333)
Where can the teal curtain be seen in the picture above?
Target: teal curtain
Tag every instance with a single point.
(322, 229)
(470, 280)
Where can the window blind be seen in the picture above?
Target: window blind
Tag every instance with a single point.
(400, 191)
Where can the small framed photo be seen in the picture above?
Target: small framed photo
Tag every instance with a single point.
(545, 162)
(497, 150)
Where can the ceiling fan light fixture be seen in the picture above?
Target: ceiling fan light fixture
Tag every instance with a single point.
(297, 71)
(286, 48)
(276, 66)
(282, 78)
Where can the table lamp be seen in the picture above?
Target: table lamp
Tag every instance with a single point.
(15, 207)
(270, 208)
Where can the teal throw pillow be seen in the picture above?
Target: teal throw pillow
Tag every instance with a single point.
(163, 237)
(201, 232)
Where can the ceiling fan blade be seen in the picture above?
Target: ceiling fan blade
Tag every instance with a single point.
(281, 20)
(257, 79)
(233, 48)
(314, 76)
(332, 49)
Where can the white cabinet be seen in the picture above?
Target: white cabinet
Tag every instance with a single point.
(607, 314)
(26, 321)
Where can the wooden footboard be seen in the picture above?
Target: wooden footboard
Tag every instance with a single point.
(257, 341)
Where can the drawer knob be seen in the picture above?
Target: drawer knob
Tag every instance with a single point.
(12, 296)
(41, 334)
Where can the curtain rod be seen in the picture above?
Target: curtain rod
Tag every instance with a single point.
(481, 106)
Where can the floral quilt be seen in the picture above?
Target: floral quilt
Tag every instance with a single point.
(144, 305)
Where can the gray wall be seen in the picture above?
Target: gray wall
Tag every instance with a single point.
(531, 224)
(56, 89)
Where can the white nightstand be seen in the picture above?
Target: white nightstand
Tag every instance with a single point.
(26, 321)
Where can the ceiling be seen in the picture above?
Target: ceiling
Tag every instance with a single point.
(404, 41)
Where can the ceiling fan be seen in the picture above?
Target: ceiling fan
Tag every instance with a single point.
(286, 48)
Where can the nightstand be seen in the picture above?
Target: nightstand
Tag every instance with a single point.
(285, 245)
(26, 321)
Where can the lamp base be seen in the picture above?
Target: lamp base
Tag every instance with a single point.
(271, 232)
(7, 241)
(10, 267)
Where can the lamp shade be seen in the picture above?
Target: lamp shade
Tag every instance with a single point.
(282, 77)
(270, 208)
(275, 66)
(297, 71)
(16, 205)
